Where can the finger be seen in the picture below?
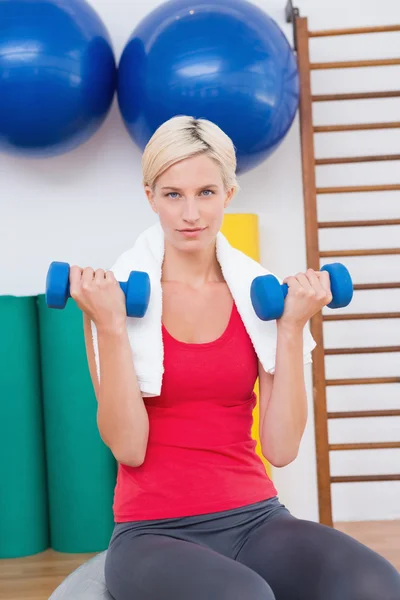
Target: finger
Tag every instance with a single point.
(304, 282)
(318, 282)
(292, 282)
(87, 275)
(75, 274)
(325, 282)
(109, 275)
(315, 282)
(99, 275)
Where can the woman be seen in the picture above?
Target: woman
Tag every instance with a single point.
(197, 517)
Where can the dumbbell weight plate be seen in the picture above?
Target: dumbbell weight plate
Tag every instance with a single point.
(137, 291)
(267, 297)
(341, 285)
(57, 285)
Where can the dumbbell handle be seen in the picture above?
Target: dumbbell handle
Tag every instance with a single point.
(123, 285)
(337, 288)
(268, 294)
(285, 289)
(136, 289)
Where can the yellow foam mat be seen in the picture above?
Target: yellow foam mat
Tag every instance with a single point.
(241, 230)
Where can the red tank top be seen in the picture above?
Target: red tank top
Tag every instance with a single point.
(200, 456)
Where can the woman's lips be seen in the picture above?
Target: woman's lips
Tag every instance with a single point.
(191, 232)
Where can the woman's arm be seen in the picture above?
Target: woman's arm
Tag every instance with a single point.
(90, 354)
(283, 397)
(283, 400)
(121, 416)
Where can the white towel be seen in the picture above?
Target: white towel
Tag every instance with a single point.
(145, 334)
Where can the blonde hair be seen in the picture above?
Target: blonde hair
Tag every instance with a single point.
(183, 137)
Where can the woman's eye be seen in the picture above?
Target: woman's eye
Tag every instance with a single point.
(174, 195)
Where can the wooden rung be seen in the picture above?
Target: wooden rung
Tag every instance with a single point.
(372, 252)
(360, 317)
(366, 446)
(362, 381)
(355, 96)
(359, 188)
(357, 414)
(355, 159)
(363, 478)
(356, 127)
(371, 350)
(377, 286)
(354, 31)
(369, 223)
(355, 64)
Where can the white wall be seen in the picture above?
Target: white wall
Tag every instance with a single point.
(87, 207)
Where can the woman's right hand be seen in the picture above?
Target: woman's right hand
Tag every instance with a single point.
(99, 295)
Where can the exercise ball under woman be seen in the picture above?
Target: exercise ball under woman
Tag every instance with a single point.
(196, 515)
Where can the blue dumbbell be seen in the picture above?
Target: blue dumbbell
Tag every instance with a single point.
(268, 295)
(136, 289)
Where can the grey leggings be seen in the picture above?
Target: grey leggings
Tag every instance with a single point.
(258, 552)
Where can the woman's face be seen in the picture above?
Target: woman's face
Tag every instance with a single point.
(189, 199)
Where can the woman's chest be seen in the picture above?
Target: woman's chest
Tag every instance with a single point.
(222, 369)
(196, 316)
(222, 374)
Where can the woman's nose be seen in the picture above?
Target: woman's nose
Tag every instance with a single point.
(190, 210)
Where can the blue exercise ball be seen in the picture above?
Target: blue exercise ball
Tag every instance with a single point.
(226, 61)
(57, 75)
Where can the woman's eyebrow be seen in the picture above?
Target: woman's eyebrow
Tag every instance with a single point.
(203, 187)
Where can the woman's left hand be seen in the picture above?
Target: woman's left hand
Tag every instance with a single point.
(308, 293)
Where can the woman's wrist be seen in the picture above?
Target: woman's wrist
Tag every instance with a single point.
(111, 328)
(289, 328)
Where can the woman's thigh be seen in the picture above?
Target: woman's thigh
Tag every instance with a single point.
(303, 560)
(157, 567)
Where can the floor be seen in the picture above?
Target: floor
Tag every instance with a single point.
(35, 577)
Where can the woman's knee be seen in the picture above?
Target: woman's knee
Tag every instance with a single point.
(358, 573)
(381, 581)
(246, 585)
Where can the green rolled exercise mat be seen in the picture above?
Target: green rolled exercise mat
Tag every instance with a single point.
(23, 493)
(81, 470)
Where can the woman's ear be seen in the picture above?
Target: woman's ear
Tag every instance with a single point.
(150, 197)
(229, 196)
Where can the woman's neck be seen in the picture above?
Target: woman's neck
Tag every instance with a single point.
(191, 268)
